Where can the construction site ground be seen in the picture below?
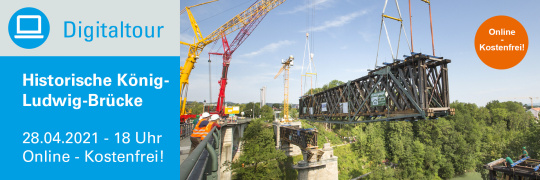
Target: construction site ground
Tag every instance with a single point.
(185, 145)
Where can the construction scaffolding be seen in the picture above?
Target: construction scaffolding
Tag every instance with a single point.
(521, 169)
(410, 89)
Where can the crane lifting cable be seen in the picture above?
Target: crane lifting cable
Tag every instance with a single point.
(310, 70)
(401, 29)
(415, 88)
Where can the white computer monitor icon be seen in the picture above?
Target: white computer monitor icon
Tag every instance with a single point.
(29, 27)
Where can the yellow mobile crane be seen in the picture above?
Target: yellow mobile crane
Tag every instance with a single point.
(258, 9)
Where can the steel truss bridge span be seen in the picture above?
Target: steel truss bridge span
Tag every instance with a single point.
(411, 89)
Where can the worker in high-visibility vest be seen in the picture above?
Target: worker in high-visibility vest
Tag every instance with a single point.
(206, 127)
(198, 131)
(214, 122)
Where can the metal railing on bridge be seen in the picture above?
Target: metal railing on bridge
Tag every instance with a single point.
(203, 162)
(185, 130)
(237, 121)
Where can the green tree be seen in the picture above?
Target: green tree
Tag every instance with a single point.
(381, 172)
(313, 91)
(435, 149)
(335, 83)
(432, 160)
(293, 113)
(260, 159)
(375, 143)
(325, 87)
(194, 107)
(267, 113)
(251, 110)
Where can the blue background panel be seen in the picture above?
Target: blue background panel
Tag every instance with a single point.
(159, 114)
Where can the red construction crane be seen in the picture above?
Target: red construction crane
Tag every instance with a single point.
(228, 50)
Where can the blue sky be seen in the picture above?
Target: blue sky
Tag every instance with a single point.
(345, 36)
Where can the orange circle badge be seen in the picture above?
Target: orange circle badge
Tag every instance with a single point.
(501, 42)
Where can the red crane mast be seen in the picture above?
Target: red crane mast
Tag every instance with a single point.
(228, 50)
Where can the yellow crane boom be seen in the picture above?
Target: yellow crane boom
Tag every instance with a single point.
(258, 9)
(280, 70)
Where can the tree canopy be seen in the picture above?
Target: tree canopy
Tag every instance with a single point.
(260, 159)
(251, 109)
(437, 149)
(325, 87)
(267, 113)
(425, 149)
(194, 107)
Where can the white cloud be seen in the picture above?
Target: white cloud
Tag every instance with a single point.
(297, 67)
(339, 21)
(269, 48)
(317, 4)
(366, 36)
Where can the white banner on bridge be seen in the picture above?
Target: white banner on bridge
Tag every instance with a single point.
(344, 107)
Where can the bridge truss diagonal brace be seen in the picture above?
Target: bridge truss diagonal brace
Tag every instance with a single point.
(413, 102)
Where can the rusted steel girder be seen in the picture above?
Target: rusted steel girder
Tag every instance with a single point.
(410, 89)
(303, 138)
(306, 139)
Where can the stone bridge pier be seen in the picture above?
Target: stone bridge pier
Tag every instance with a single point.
(314, 169)
(231, 138)
(317, 163)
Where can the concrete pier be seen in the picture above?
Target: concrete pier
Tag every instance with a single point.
(226, 151)
(324, 168)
